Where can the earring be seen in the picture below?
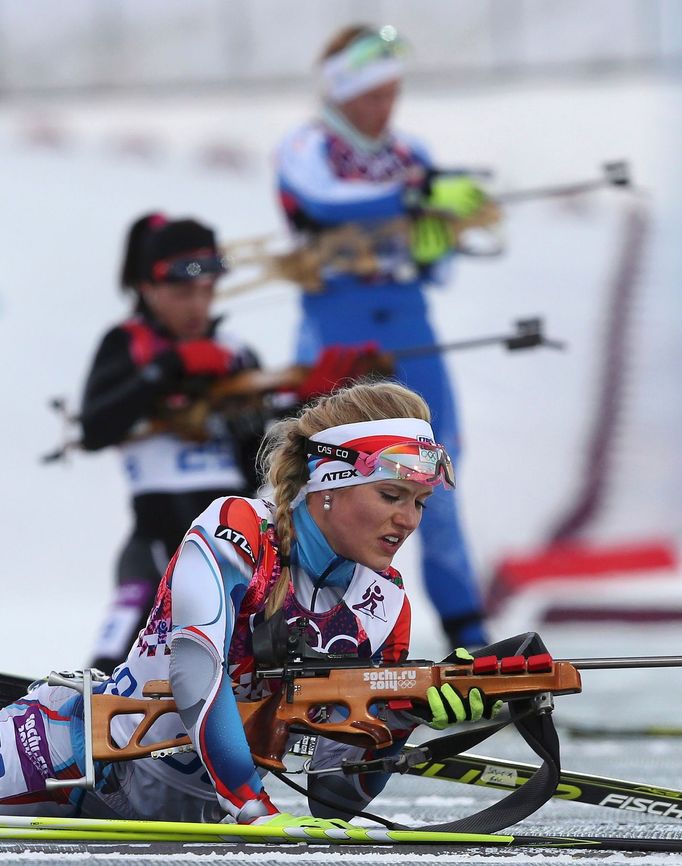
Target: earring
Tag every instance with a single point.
(327, 504)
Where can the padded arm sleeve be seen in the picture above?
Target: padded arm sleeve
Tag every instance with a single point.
(306, 176)
(203, 620)
(117, 393)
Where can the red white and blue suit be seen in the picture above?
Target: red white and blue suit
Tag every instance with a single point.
(199, 636)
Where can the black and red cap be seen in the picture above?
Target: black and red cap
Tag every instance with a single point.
(181, 250)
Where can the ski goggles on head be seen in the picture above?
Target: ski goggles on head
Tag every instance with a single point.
(189, 267)
(412, 460)
(384, 43)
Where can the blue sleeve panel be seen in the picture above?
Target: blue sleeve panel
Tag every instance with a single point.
(231, 764)
(333, 210)
(307, 178)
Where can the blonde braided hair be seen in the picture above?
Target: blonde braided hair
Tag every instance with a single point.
(282, 457)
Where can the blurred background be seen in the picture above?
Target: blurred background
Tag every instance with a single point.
(110, 110)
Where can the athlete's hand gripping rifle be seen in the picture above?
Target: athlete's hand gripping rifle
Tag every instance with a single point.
(352, 248)
(248, 384)
(311, 683)
(240, 392)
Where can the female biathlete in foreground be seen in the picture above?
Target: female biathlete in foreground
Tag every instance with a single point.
(322, 551)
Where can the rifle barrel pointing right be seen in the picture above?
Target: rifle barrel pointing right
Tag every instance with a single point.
(626, 662)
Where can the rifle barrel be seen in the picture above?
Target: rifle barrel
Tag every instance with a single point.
(557, 191)
(473, 343)
(626, 662)
(616, 173)
(509, 341)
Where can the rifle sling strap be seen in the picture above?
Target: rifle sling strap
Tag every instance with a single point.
(540, 734)
(536, 729)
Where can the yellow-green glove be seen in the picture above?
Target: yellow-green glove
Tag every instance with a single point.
(449, 707)
(431, 238)
(457, 195)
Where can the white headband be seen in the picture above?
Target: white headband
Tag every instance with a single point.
(365, 436)
(342, 82)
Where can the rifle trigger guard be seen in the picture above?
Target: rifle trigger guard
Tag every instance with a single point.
(542, 703)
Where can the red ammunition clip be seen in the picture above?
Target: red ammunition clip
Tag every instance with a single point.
(485, 665)
(513, 665)
(539, 663)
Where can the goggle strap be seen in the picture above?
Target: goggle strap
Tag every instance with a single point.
(324, 449)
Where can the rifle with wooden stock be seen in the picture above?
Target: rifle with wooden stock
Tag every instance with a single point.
(528, 334)
(305, 686)
(241, 392)
(353, 248)
(356, 248)
(308, 684)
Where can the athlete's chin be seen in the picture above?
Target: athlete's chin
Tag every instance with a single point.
(379, 561)
(377, 556)
(193, 332)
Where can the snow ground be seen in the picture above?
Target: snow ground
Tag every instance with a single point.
(63, 212)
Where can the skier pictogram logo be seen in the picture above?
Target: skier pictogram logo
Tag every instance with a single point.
(372, 603)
